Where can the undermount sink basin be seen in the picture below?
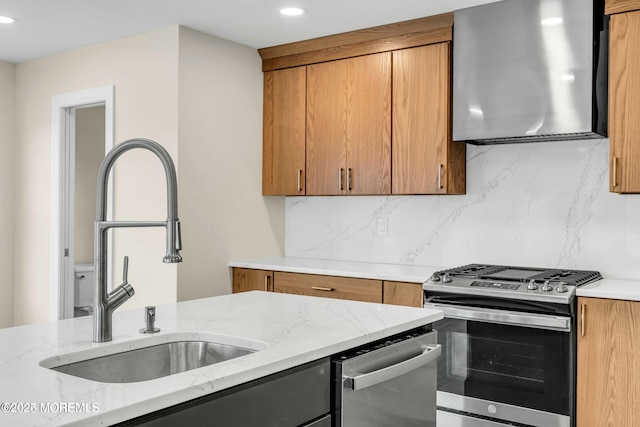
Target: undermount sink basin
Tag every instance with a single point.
(152, 360)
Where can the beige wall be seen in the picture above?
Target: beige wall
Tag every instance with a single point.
(7, 119)
(144, 70)
(223, 213)
(89, 154)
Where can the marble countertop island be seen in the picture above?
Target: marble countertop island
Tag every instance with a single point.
(289, 330)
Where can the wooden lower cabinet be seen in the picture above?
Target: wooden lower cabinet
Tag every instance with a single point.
(328, 286)
(247, 279)
(387, 292)
(401, 293)
(608, 382)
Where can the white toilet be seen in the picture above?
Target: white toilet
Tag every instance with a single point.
(83, 289)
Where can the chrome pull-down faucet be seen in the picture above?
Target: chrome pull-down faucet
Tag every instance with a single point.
(105, 302)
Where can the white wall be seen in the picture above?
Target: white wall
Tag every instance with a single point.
(89, 154)
(7, 138)
(144, 70)
(537, 205)
(221, 208)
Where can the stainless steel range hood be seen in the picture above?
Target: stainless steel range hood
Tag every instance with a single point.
(530, 70)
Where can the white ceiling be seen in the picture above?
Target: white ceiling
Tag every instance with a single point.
(47, 27)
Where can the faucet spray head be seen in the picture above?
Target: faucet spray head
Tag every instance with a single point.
(174, 242)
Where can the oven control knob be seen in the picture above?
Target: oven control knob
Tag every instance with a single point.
(492, 409)
(562, 287)
(532, 285)
(446, 278)
(546, 287)
(435, 277)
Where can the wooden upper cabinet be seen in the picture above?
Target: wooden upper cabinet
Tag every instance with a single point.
(624, 102)
(425, 160)
(617, 6)
(608, 381)
(283, 161)
(349, 126)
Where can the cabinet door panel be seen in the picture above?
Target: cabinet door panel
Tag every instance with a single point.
(326, 127)
(329, 286)
(401, 293)
(369, 124)
(617, 6)
(608, 384)
(624, 103)
(246, 279)
(422, 124)
(283, 138)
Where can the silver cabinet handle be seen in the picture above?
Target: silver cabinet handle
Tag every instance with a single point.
(349, 179)
(615, 172)
(583, 309)
(428, 355)
(266, 283)
(299, 180)
(440, 177)
(504, 317)
(340, 186)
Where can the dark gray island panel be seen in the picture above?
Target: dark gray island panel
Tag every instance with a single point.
(296, 397)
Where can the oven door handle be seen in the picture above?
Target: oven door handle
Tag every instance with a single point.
(503, 317)
(359, 382)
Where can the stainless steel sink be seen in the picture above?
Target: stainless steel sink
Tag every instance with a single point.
(150, 362)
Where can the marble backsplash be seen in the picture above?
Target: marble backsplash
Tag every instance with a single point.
(535, 205)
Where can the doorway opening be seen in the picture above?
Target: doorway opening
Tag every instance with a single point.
(82, 133)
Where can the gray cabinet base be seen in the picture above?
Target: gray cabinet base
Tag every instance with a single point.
(296, 397)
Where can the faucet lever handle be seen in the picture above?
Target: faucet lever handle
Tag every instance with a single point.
(125, 270)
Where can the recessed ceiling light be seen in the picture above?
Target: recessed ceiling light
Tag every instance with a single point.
(6, 20)
(292, 11)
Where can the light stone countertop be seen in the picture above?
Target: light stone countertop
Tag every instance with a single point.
(611, 289)
(292, 329)
(362, 270)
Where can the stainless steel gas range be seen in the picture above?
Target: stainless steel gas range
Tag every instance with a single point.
(508, 344)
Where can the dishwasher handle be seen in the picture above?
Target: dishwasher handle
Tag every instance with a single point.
(359, 382)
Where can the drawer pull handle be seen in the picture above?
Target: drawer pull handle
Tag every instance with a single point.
(266, 283)
(615, 172)
(340, 185)
(320, 288)
(299, 180)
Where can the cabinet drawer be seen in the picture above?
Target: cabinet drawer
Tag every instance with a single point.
(328, 286)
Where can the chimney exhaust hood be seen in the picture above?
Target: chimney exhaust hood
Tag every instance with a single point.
(530, 70)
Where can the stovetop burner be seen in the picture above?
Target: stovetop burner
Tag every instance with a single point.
(523, 283)
(523, 274)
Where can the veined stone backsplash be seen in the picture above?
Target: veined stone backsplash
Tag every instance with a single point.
(534, 205)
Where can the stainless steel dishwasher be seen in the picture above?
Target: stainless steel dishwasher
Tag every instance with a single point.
(388, 383)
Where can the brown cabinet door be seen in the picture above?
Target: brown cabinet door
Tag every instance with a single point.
(329, 286)
(283, 153)
(624, 103)
(348, 126)
(246, 279)
(401, 293)
(369, 124)
(608, 383)
(617, 6)
(326, 128)
(425, 160)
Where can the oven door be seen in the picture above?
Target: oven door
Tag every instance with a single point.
(506, 365)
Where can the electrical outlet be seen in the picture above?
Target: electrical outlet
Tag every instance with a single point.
(383, 227)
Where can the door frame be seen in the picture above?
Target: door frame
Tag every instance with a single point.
(63, 108)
